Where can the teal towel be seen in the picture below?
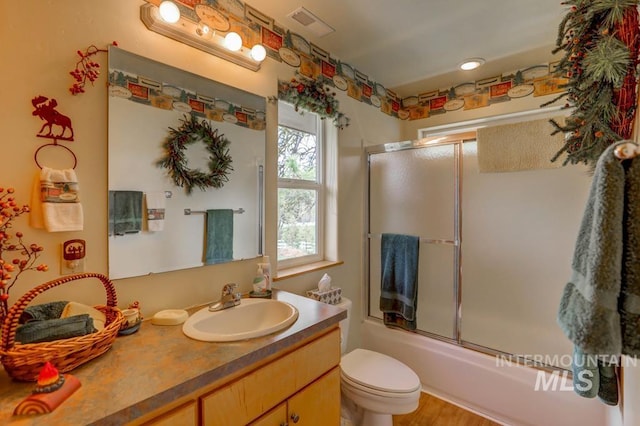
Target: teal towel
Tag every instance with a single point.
(219, 236)
(45, 311)
(54, 329)
(595, 375)
(399, 284)
(629, 301)
(600, 308)
(125, 212)
(608, 390)
(586, 377)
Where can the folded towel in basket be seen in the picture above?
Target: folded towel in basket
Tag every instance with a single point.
(75, 308)
(54, 329)
(44, 311)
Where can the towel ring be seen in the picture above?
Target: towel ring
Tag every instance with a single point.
(35, 155)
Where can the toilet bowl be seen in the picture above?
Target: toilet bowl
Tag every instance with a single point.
(374, 386)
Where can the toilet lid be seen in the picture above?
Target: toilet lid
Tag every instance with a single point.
(378, 371)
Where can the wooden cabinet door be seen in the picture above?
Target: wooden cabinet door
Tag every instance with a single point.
(318, 404)
(185, 415)
(275, 417)
(249, 397)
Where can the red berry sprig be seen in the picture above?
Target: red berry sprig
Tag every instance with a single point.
(15, 255)
(86, 69)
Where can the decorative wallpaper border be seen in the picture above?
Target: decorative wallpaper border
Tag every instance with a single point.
(167, 96)
(313, 62)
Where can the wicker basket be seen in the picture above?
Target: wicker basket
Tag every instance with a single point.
(24, 361)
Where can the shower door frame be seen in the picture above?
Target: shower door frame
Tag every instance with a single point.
(457, 140)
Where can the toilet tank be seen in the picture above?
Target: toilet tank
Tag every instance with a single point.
(344, 324)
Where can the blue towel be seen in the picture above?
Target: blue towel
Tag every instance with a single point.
(125, 212)
(399, 286)
(219, 241)
(45, 311)
(55, 329)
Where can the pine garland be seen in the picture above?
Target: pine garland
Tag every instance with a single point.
(175, 160)
(600, 39)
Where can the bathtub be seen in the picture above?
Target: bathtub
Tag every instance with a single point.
(501, 391)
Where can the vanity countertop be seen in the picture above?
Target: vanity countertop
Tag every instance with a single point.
(144, 371)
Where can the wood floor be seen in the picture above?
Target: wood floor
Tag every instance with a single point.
(436, 412)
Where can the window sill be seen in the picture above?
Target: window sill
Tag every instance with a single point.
(303, 269)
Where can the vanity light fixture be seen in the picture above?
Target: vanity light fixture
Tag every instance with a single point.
(202, 36)
(471, 64)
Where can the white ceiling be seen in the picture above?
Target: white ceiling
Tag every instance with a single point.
(413, 46)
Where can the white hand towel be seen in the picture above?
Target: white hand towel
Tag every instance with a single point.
(75, 308)
(155, 210)
(61, 208)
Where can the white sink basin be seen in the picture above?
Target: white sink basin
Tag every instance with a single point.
(251, 318)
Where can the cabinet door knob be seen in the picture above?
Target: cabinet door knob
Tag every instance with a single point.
(295, 417)
(284, 424)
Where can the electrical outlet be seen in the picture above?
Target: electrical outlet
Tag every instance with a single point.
(72, 259)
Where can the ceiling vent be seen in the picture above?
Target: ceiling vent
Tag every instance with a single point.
(310, 22)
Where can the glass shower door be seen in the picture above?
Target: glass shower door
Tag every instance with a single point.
(413, 192)
(518, 236)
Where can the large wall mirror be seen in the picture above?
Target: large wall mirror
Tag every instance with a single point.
(154, 224)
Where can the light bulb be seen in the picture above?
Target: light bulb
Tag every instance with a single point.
(258, 53)
(169, 12)
(233, 42)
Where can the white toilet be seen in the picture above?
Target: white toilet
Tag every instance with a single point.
(374, 386)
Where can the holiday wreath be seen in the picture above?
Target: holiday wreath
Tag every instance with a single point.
(175, 160)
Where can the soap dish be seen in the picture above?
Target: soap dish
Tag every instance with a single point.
(260, 294)
(130, 330)
(170, 317)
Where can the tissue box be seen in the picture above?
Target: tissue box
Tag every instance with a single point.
(333, 296)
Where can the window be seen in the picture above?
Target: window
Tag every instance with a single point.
(300, 187)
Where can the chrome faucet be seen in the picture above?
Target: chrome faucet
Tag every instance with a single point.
(230, 298)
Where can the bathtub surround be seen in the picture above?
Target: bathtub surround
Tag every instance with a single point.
(399, 292)
(598, 311)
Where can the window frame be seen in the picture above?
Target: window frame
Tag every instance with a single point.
(318, 186)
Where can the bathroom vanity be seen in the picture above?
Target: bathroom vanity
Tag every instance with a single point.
(159, 376)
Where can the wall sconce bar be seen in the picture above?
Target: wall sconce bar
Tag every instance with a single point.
(185, 32)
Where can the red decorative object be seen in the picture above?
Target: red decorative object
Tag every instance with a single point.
(47, 112)
(51, 391)
(627, 31)
(15, 254)
(86, 69)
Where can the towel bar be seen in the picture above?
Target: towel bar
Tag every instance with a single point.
(188, 212)
(424, 240)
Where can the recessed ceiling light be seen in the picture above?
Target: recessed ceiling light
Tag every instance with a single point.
(471, 64)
